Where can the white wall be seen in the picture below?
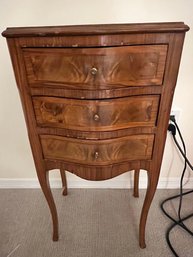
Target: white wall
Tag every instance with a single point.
(15, 155)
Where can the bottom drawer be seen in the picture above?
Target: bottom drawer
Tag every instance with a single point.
(93, 152)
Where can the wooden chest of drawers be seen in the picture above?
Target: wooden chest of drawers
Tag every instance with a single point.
(97, 99)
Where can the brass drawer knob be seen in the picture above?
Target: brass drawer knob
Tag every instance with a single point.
(94, 71)
(54, 113)
(96, 155)
(96, 117)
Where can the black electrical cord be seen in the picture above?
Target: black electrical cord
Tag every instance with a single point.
(172, 128)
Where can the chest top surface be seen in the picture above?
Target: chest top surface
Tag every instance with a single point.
(96, 29)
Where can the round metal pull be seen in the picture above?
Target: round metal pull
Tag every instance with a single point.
(54, 113)
(96, 155)
(93, 71)
(96, 117)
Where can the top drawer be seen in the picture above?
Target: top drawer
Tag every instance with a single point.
(96, 68)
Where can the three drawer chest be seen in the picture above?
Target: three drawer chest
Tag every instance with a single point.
(97, 100)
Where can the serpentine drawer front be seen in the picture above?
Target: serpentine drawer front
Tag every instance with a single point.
(96, 115)
(98, 152)
(97, 99)
(107, 67)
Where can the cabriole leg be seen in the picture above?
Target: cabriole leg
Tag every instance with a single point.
(45, 185)
(152, 184)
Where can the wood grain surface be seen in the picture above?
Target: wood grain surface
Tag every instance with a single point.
(94, 152)
(96, 115)
(114, 66)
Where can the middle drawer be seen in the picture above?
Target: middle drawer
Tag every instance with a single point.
(96, 115)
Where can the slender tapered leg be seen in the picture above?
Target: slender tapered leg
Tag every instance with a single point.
(152, 184)
(64, 181)
(136, 183)
(45, 185)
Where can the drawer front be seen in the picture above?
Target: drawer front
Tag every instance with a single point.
(94, 68)
(96, 115)
(104, 152)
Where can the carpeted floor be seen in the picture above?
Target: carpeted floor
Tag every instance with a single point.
(92, 222)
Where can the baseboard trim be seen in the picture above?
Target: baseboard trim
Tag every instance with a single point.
(164, 183)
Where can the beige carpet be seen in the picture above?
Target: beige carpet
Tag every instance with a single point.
(93, 223)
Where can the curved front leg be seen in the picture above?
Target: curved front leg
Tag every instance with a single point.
(45, 185)
(64, 181)
(152, 184)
